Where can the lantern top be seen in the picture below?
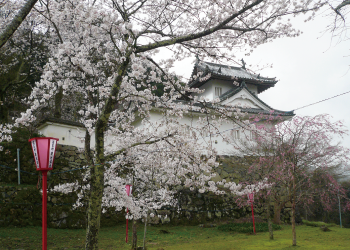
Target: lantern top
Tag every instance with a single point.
(45, 138)
(44, 149)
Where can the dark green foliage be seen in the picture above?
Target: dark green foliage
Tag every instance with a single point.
(318, 224)
(20, 207)
(247, 227)
(8, 159)
(21, 65)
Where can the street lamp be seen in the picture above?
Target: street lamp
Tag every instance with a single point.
(251, 201)
(44, 154)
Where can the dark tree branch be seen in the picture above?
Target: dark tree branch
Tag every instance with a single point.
(144, 48)
(16, 22)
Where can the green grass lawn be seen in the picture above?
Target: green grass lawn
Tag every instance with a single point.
(179, 237)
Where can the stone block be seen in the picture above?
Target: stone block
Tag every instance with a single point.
(71, 153)
(216, 178)
(224, 174)
(229, 169)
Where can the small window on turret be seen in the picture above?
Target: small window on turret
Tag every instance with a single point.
(236, 134)
(218, 91)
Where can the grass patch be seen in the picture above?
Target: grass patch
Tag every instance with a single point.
(318, 224)
(178, 238)
(247, 227)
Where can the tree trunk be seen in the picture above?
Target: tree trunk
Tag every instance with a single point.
(269, 222)
(305, 213)
(293, 215)
(94, 207)
(58, 103)
(96, 192)
(144, 233)
(293, 225)
(134, 235)
(87, 154)
(277, 213)
(97, 171)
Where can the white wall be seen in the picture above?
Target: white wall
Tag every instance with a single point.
(208, 92)
(67, 134)
(214, 139)
(209, 88)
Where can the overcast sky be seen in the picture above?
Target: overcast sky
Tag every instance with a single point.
(309, 68)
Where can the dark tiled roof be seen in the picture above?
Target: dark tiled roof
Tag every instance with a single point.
(230, 93)
(60, 121)
(273, 112)
(230, 73)
(261, 111)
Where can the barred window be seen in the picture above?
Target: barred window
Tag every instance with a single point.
(218, 91)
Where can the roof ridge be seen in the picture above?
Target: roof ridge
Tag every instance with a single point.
(237, 68)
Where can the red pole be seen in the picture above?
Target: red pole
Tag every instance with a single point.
(127, 227)
(44, 210)
(253, 216)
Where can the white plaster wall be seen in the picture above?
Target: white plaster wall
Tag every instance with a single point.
(74, 136)
(225, 85)
(67, 134)
(208, 92)
(215, 140)
(244, 99)
(209, 88)
(246, 103)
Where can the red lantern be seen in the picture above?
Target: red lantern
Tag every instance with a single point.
(44, 154)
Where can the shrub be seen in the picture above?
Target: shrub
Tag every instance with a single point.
(318, 224)
(247, 227)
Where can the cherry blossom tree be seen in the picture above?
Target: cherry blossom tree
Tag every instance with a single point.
(106, 53)
(340, 11)
(5, 134)
(297, 158)
(22, 60)
(10, 25)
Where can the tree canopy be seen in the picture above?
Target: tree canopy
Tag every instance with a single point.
(106, 50)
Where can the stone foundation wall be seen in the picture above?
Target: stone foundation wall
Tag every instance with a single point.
(21, 205)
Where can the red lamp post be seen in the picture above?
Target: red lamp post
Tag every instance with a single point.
(128, 189)
(44, 154)
(251, 200)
